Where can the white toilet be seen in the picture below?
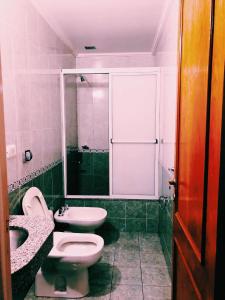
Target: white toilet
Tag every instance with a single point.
(64, 273)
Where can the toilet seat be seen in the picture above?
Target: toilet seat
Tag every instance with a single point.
(34, 204)
(75, 246)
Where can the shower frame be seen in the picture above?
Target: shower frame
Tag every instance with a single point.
(110, 72)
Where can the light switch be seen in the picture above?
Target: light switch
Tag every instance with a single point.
(10, 151)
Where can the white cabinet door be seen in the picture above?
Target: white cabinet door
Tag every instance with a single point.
(134, 134)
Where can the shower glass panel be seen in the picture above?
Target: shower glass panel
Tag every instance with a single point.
(133, 169)
(134, 134)
(87, 134)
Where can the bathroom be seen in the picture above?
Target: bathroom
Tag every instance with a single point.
(90, 95)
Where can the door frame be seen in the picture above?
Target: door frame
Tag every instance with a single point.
(5, 271)
(110, 72)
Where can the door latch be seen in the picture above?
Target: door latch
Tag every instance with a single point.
(172, 182)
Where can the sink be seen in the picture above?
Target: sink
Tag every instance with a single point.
(31, 240)
(17, 236)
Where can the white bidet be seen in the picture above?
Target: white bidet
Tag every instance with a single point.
(82, 218)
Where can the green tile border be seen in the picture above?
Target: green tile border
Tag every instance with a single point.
(128, 215)
(50, 184)
(166, 231)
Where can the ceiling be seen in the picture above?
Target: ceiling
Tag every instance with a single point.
(110, 25)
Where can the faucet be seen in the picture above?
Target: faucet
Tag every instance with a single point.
(63, 209)
(60, 213)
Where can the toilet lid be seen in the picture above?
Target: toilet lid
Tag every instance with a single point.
(34, 204)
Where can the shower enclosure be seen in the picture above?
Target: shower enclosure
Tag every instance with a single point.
(110, 132)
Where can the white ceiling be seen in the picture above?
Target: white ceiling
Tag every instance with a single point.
(111, 25)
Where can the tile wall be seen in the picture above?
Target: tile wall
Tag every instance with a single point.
(168, 103)
(93, 111)
(93, 98)
(31, 55)
(49, 182)
(166, 58)
(166, 229)
(70, 104)
(121, 60)
(88, 173)
(166, 54)
(126, 215)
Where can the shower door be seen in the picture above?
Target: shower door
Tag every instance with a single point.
(134, 134)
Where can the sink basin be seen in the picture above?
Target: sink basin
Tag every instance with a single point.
(17, 236)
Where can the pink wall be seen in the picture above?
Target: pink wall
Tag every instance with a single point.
(168, 107)
(93, 111)
(166, 54)
(70, 102)
(166, 58)
(93, 100)
(31, 55)
(117, 60)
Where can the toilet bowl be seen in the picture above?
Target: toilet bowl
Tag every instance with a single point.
(76, 248)
(82, 218)
(64, 273)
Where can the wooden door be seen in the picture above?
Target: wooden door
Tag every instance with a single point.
(5, 274)
(199, 157)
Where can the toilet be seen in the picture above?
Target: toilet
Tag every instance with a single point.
(64, 273)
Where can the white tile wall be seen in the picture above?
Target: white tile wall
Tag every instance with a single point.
(167, 47)
(166, 58)
(31, 53)
(93, 100)
(116, 61)
(93, 115)
(71, 110)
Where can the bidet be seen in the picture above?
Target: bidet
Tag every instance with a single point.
(82, 218)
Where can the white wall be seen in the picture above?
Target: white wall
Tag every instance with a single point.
(166, 58)
(168, 108)
(31, 54)
(116, 60)
(93, 111)
(166, 52)
(92, 99)
(70, 98)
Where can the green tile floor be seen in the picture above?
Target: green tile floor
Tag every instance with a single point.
(132, 267)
